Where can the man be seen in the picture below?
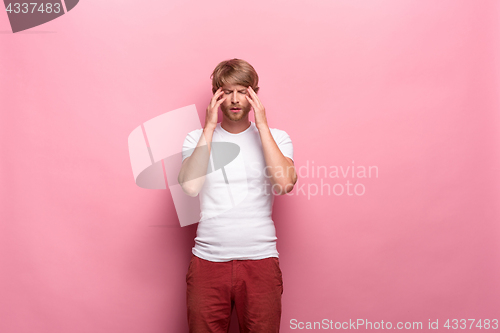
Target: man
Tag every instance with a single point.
(235, 261)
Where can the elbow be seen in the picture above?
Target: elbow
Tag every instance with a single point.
(192, 194)
(189, 191)
(286, 187)
(290, 185)
(286, 190)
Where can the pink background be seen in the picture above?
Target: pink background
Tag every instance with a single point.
(411, 87)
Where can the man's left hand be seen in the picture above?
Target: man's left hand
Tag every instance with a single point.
(258, 108)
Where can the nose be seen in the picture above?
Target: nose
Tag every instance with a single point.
(234, 98)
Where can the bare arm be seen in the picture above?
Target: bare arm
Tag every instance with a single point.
(194, 168)
(281, 169)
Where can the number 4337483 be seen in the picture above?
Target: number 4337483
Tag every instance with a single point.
(34, 8)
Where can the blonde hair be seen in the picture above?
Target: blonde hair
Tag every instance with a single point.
(234, 71)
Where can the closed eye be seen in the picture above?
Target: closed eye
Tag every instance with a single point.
(227, 92)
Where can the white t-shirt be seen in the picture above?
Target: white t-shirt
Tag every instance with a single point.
(236, 200)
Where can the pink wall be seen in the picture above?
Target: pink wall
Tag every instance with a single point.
(409, 87)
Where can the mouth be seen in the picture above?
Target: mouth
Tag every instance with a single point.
(235, 110)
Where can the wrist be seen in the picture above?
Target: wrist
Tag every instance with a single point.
(209, 128)
(262, 126)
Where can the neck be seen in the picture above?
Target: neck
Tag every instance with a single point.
(235, 127)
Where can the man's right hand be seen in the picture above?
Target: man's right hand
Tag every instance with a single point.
(212, 109)
(193, 170)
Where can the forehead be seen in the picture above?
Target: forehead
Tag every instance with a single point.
(233, 87)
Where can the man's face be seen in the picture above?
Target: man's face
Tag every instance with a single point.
(235, 107)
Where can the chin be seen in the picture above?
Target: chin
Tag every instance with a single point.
(234, 117)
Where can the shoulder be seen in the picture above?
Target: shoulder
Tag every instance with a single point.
(279, 134)
(192, 138)
(195, 134)
(196, 131)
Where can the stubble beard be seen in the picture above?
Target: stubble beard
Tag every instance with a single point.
(235, 116)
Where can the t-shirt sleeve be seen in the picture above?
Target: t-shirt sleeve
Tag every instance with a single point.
(190, 143)
(284, 142)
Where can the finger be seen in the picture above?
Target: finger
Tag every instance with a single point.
(218, 93)
(254, 101)
(219, 102)
(251, 101)
(256, 98)
(251, 90)
(216, 97)
(254, 94)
